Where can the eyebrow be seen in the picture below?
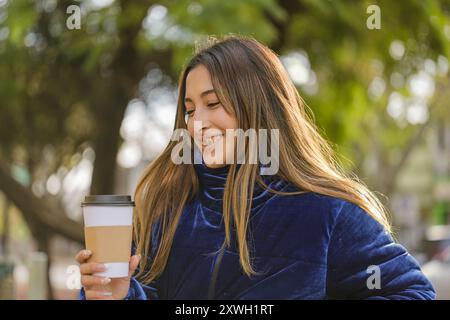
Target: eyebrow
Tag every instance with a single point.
(204, 93)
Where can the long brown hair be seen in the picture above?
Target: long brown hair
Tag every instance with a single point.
(251, 84)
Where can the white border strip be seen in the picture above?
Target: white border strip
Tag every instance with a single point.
(96, 216)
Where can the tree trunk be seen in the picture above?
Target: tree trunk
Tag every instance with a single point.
(43, 244)
(106, 144)
(38, 212)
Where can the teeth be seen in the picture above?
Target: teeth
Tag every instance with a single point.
(211, 140)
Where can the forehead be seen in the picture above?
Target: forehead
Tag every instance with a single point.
(198, 80)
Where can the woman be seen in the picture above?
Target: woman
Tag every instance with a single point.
(217, 229)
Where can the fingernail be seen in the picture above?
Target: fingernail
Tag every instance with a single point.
(102, 267)
(87, 252)
(139, 256)
(106, 280)
(108, 294)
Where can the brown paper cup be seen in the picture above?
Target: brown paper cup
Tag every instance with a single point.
(108, 232)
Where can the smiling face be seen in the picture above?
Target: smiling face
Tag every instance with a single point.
(207, 120)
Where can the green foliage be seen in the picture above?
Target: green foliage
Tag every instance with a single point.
(52, 80)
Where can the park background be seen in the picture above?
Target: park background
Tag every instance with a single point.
(83, 109)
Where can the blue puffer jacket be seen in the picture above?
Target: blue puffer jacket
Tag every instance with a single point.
(308, 246)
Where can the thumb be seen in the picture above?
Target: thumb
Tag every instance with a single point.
(134, 262)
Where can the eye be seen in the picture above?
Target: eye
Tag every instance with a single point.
(213, 104)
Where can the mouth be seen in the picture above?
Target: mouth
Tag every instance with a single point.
(211, 140)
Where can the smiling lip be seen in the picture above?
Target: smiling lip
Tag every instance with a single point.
(207, 138)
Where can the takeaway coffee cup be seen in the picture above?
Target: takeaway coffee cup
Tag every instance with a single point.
(108, 231)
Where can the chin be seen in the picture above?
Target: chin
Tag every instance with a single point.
(212, 162)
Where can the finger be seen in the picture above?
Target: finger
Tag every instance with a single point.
(134, 262)
(83, 255)
(92, 267)
(87, 281)
(98, 295)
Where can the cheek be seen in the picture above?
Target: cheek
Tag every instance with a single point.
(190, 128)
(226, 120)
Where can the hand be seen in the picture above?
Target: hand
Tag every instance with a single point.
(101, 288)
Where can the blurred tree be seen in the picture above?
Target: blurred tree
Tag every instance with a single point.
(70, 87)
(69, 90)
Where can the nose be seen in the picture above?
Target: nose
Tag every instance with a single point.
(199, 120)
(200, 114)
